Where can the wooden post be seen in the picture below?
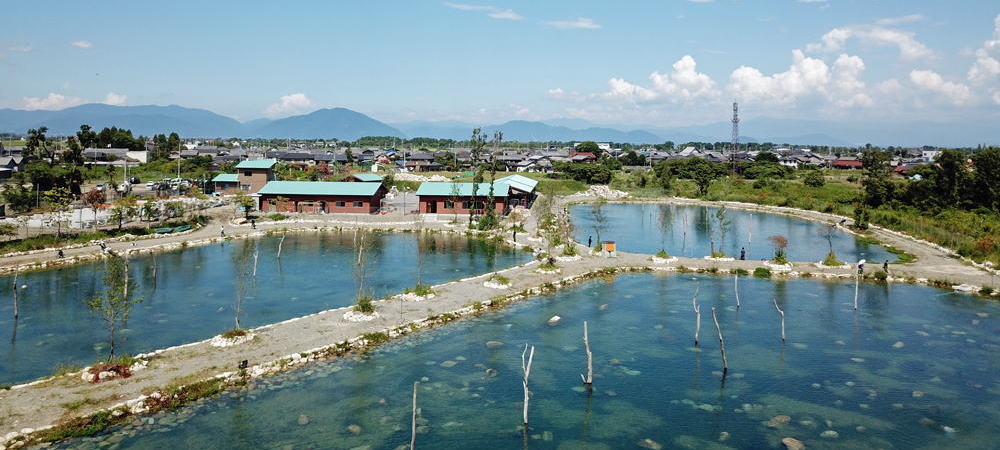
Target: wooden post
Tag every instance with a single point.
(526, 368)
(722, 345)
(589, 379)
(413, 418)
(736, 288)
(280, 243)
(697, 314)
(857, 280)
(782, 319)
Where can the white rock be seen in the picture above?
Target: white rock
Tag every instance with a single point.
(355, 316)
(554, 320)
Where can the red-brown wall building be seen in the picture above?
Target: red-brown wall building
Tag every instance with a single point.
(314, 197)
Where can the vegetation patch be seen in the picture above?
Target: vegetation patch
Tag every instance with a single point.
(234, 333)
(831, 260)
(762, 272)
(365, 304)
(377, 338)
(420, 289)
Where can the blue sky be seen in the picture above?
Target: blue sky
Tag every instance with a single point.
(641, 63)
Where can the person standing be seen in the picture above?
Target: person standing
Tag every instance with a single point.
(590, 241)
(253, 224)
(861, 267)
(885, 267)
(743, 253)
(222, 231)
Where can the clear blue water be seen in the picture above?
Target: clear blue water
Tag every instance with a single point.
(912, 354)
(191, 298)
(684, 231)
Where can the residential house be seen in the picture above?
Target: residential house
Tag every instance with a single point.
(321, 197)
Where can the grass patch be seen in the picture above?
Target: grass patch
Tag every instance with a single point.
(234, 333)
(662, 254)
(831, 260)
(718, 254)
(569, 250)
(548, 267)
(420, 289)
(65, 369)
(45, 241)
(499, 279)
(902, 256)
(376, 338)
(986, 290)
(739, 271)
(880, 276)
(6, 387)
(75, 405)
(277, 217)
(365, 305)
(762, 272)
(80, 427)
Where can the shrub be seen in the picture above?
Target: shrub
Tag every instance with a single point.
(277, 217)
(234, 333)
(762, 272)
(813, 178)
(569, 249)
(364, 305)
(499, 279)
(420, 289)
(548, 266)
(880, 276)
(662, 254)
(831, 260)
(718, 254)
(739, 271)
(986, 290)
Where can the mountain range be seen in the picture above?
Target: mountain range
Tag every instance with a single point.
(345, 124)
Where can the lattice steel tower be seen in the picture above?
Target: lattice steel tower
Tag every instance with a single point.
(736, 137)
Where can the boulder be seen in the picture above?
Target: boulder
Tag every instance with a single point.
(791, 443)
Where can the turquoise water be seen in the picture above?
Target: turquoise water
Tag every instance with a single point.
(192, 295)
(684, 231)
(911, 362)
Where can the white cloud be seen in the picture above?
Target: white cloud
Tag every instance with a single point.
(556, 93)
(52, 101)
(20, 48)
(805, 75)
(834, 40)
(985, 72)
(846, 88)
(956, 93)
(115, 99)
(909, 18)
(288, 105)
(491, 11)
(580, 23)
(81, 44)
(681, 85)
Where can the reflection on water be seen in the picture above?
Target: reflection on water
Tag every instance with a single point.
(691, 230)
(188, 295)
(915, 367)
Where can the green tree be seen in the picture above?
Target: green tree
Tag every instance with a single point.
(489, 219)
(36, 146)
(951, 177)
(876, 183)
(245, 202)
(987, 177)
(95, 199)
(588, 147)
(123, 209)
(86, 137)
(476, 145)
(115, 305)
(813, 178)
(58, 200)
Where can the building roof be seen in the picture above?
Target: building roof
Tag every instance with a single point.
(257, 164)
(367, 177)
(519, 182)
(319, 188)
(444, 189)
(226, 178)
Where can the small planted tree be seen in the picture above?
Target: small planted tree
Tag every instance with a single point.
(246, 203)
(722, 224)
(115, 305)
(123, 210)
(831, 257)
(243, 259)
(454, 196)
(780, 244)
(94, 198)
(363, 240)
(476, 145)
(599, 219)
(58, 200)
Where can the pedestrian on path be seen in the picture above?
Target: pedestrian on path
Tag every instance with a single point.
(60, 253)
(590, 242)
(861, 267)
(222, 231)
(515, 235)
(253, 224)
(885, 267)
(743, 253)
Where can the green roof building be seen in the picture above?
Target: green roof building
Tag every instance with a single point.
(321, 197)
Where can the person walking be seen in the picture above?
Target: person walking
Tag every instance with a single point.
(60, 253)
(861, 267)
(590, 241)
(253, 224)
(515, 235)
(885, 267)
(743, 253)
(222, 231)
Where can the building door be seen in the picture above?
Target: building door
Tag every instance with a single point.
(432, 207)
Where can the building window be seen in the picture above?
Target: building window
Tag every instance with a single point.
(448, 204)
(466, 204)
(244, 187)
(247, 173)
(359, 204)
(340, 204)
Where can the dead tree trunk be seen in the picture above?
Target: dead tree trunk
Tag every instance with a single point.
(413, 418)
(280, 243)
(526, 368)
(255, 255)
(857, 281)
(14, 289)
(697, 314)
(736, 288)
(782, 319)
(722, 345)
(589, 379)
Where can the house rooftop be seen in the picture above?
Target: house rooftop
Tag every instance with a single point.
(319, 188)
(444, 189)
(367, 177)
(257, 164)
(519, 182)
(226, 178)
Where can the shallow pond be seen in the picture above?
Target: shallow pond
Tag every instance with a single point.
(192, 293)
(913, 361)
(689, 231)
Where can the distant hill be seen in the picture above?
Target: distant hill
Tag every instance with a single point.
(340, 123)
(142, 120)
(522, 130)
